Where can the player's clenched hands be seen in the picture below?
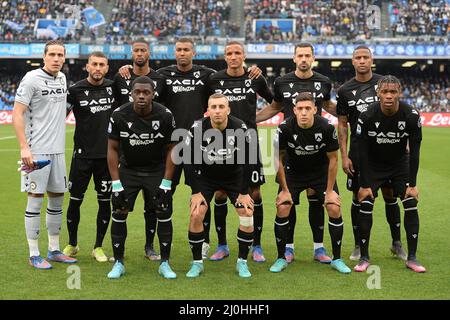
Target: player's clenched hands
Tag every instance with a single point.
(412, 192)
(26, 157)
(125, 72)
(331, 197)
(347, 166)
(246, 201)
(284, 198)
(363, 193)
(255, 72)
(197, 200)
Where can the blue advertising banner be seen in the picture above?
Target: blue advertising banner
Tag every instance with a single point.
(34, 50)
(254, 51)
(321, 51)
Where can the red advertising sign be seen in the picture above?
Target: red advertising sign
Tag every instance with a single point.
(438, 119)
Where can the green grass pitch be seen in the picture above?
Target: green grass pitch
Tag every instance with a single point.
(303, 279)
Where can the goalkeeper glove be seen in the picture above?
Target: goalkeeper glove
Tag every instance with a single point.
(118, 199)
(38, 164)
(163, 197)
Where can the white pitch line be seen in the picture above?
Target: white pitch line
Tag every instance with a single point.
(8, 137)
(13, 137)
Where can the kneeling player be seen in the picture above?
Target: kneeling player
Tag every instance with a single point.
(219, 148)
(307, 146)
(384, 132)
(142, 131)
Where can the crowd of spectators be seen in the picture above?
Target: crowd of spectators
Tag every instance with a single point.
(167, 18)
(18, 17)
(419, 17)
(323, 18)
(8, 87)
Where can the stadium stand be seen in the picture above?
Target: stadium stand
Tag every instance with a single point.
(163, 18)
(313, 19)
(18, 18)
(423, 17)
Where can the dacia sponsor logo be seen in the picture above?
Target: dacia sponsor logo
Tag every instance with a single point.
(235, 91)
(142, 136)
(99, 102)
(54, 91)
(219, 155)
(362, 104)
(389, 134)
(186, 82)
(293, 95)
(388, 137)
(140, 139)
(306, 150)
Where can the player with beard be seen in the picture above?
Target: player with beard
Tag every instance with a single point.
(353, 97)
(122, 91)
(286, 89)
(186, 95)
(385, 132)
(242, 93)
(92, 102)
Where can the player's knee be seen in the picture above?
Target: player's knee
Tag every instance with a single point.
(197, 216)
(220, 196)
(34, 204)
(409, 204)
(56, 202)
(390, 201)
(119, 217)
(284, 210)
(255, 194)
(246, 222)
(388, 193)
(334, 211)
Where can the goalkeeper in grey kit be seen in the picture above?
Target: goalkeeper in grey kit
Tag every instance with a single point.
(140, 141)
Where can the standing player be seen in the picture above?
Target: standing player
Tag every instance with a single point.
(39, 121)
(186, 95)
(353, 97)
(286, 88)
(307, 160)
(122, 91)
(220, 149)
(92, 102)
(241, 92)
(140, 131)
(384, 133)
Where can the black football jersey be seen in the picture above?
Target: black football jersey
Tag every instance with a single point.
(92, 107)
(306, 149)
(122, 86)
(383, 140)
(221, 156)
(287, 87)
(185, 93)
(353, 97)
(143, 140)
(242, 94)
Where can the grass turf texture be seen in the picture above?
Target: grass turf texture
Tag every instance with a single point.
(303, 279)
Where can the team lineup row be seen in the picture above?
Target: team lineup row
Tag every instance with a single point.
(132, 149)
